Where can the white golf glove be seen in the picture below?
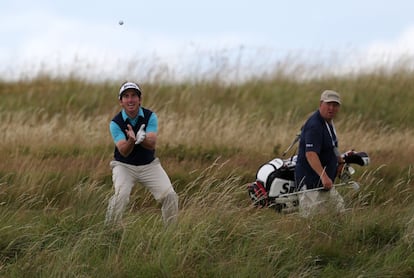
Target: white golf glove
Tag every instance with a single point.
(140, 135)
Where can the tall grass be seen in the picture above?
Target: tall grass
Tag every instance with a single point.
(55, 181)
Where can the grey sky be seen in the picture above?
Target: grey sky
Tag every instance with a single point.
(183, 35)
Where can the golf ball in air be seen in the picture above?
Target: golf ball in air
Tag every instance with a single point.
(121, 22)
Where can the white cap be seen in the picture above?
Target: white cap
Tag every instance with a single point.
(330, 96)
(127, 86)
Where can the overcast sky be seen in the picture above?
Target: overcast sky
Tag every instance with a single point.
(198, 37)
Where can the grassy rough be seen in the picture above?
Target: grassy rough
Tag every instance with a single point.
(55, 181)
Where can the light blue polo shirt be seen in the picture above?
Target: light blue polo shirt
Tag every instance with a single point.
(118, 134)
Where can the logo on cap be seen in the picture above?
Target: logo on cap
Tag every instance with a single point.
(129, 85)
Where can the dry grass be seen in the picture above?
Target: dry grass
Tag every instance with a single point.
(55, 182)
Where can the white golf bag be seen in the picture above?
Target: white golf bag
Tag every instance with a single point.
(275, 181)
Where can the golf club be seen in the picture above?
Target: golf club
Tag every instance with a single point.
(354, 185)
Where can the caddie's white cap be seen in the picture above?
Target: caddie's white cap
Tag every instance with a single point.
(127, 86)
(330, 96)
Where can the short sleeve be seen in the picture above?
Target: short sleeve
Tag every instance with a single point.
(152, 123)
(116, 132)
(313, 139)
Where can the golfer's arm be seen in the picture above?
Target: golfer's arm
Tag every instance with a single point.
(315, 163)
(150, 141)
(125, 147)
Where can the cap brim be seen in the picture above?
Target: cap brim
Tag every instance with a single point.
(136, 90)
(331, 100)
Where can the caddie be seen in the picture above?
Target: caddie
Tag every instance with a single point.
(318, 160)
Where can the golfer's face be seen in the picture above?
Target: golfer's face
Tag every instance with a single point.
(130, 101)
(328, 110)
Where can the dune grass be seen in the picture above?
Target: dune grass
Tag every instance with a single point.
(55, 181)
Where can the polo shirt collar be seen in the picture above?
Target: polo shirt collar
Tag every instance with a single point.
(125, 116)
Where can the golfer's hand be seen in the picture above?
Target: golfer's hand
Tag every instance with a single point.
(140, 135)
(130, 133)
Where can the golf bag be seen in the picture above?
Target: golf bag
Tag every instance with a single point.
(275, 181)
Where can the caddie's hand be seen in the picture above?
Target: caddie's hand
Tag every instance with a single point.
(140, 135)
(326, 182)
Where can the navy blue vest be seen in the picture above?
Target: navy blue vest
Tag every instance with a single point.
(139, 155)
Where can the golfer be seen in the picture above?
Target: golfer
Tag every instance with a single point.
(319, 160)
(134, 132)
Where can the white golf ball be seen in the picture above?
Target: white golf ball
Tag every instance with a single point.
(121, 22)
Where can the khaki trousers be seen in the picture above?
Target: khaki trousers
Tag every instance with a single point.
(320, 201)
(153, 177)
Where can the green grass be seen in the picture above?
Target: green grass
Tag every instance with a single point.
(55, 181)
